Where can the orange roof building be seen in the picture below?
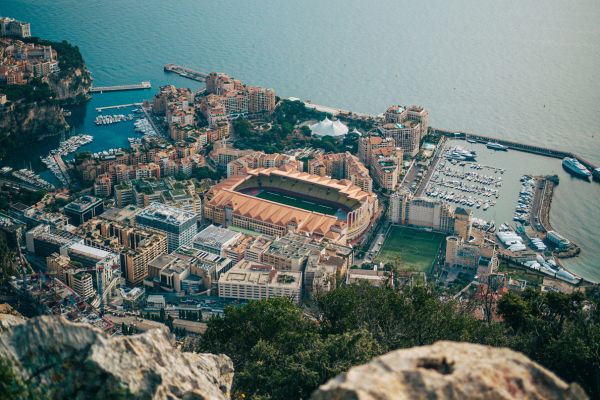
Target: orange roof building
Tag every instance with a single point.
(230, 204)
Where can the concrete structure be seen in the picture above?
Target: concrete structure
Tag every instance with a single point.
(372, 277)
(136, 247)
(258, 159)
(341, 166)
(249, 280)
(406, 135)
(180, 226)
(83, 209)
(214, 239)
(472, 258)
(43, 240)
(226, 204)
(405, 209)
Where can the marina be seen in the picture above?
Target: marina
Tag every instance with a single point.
(54, 160)
(112, 119)
(28, 176)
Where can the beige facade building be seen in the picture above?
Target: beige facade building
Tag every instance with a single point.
(430, 214)
(341, 166)
(250, 280)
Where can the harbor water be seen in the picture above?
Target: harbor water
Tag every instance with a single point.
(524, 71)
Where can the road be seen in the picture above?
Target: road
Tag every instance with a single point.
(434, 161)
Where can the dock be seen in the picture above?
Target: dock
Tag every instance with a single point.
(186, 72)
(524, 147)
(63, 168)
(118, 88)
(100, 109)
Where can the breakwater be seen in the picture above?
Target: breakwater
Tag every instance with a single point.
(528, 148)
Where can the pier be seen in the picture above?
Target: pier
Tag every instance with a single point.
(118, 88)
(527, 148)
(63, 168)
(186, 72)
(100, 109)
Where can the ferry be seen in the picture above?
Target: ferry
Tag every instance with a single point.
(574, 167)
(496, 146)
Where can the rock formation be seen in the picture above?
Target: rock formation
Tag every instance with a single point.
(76, 361)
(449, 370)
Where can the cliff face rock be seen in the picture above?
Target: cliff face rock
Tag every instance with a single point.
(71, 88)
(76, 361)
(449, 370)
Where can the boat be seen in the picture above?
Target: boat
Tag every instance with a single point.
(496, 146)
(574, 167)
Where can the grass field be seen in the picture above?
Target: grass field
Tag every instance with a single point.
(297, 202)
(417, 249)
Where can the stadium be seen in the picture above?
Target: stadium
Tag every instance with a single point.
(275, 201)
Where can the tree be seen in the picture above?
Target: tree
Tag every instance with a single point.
(280, 354)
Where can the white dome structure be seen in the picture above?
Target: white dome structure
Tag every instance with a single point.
(328, 127)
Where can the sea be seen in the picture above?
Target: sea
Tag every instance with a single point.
(526, 71)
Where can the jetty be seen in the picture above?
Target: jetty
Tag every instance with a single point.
(100, 109)
(63, 168)
(118, 88)
(186, 72)
(524, 147)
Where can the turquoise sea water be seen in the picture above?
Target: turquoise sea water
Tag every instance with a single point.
(527, 71)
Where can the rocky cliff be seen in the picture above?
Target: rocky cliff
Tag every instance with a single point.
(449, 370)
(61, 359)
(54, 358)
(71, 87)
(34, 111)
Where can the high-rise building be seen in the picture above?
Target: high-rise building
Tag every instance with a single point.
(83, 209)
(180, 226)
(431, 214)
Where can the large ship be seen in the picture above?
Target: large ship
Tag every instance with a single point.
(573, 166)
(496, 146)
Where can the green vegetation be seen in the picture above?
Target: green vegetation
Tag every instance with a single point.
(298, 202)
(416, 249)
(8, 196)
(518, 272)
(282, 135)
(280, 352)
(35, 91)
(13, 386)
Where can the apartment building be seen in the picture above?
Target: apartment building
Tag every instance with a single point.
(249, 280)
(179, 225)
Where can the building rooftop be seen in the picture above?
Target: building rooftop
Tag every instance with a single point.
(216, 237)
(253, 273)
(90, 251)
(83, 203)
(167, 214)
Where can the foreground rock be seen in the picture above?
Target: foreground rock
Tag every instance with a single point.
(449, 370)
(75, 361)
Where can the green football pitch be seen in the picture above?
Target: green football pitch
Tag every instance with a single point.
(297, 202)
(417, 249)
